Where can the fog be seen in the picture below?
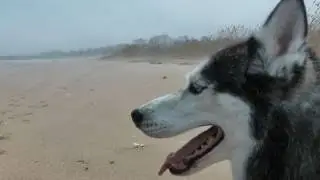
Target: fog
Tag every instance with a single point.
(42, 25)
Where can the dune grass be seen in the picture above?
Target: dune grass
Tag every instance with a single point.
(209, 44)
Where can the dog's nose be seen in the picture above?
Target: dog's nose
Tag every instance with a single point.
(137, 117)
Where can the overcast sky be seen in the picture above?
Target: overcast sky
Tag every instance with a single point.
(29, 26)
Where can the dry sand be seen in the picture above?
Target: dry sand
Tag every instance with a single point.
(69, 120)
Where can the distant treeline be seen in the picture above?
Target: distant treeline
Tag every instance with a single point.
(164, 45)
(156, 45)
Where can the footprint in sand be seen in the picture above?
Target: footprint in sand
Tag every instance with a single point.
(41, 104)
(20, 115)
(15, 101)
(14, 105)
(5, 136)
(84, 164)
(4, 112)
(26, 121)
(12, 117)
(3, 152)
(63, 88)
(25, 117)
(27, 114)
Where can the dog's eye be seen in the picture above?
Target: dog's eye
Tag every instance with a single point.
(196, 89)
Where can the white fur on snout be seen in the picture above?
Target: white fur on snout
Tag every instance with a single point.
(173, 114)
(151, 127)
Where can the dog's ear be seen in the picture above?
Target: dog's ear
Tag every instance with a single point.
(283, 35)
(285, 28)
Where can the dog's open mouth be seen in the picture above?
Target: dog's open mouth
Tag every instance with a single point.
(183, 159)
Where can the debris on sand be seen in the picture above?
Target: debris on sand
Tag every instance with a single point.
(4, 136)
(111, 162)
(3, 152)
(138, 146)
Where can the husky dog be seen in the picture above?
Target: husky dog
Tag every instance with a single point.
(253, 96)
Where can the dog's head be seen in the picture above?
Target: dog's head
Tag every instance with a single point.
(223, 91)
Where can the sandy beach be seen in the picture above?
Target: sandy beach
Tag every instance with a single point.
(69, 120)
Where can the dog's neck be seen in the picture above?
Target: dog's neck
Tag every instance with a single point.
(262, 97)
(262, 91)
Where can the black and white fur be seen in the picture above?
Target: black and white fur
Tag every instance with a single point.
(255, 91)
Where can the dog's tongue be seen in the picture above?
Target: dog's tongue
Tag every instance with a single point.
(180, 159)
(170, 162)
